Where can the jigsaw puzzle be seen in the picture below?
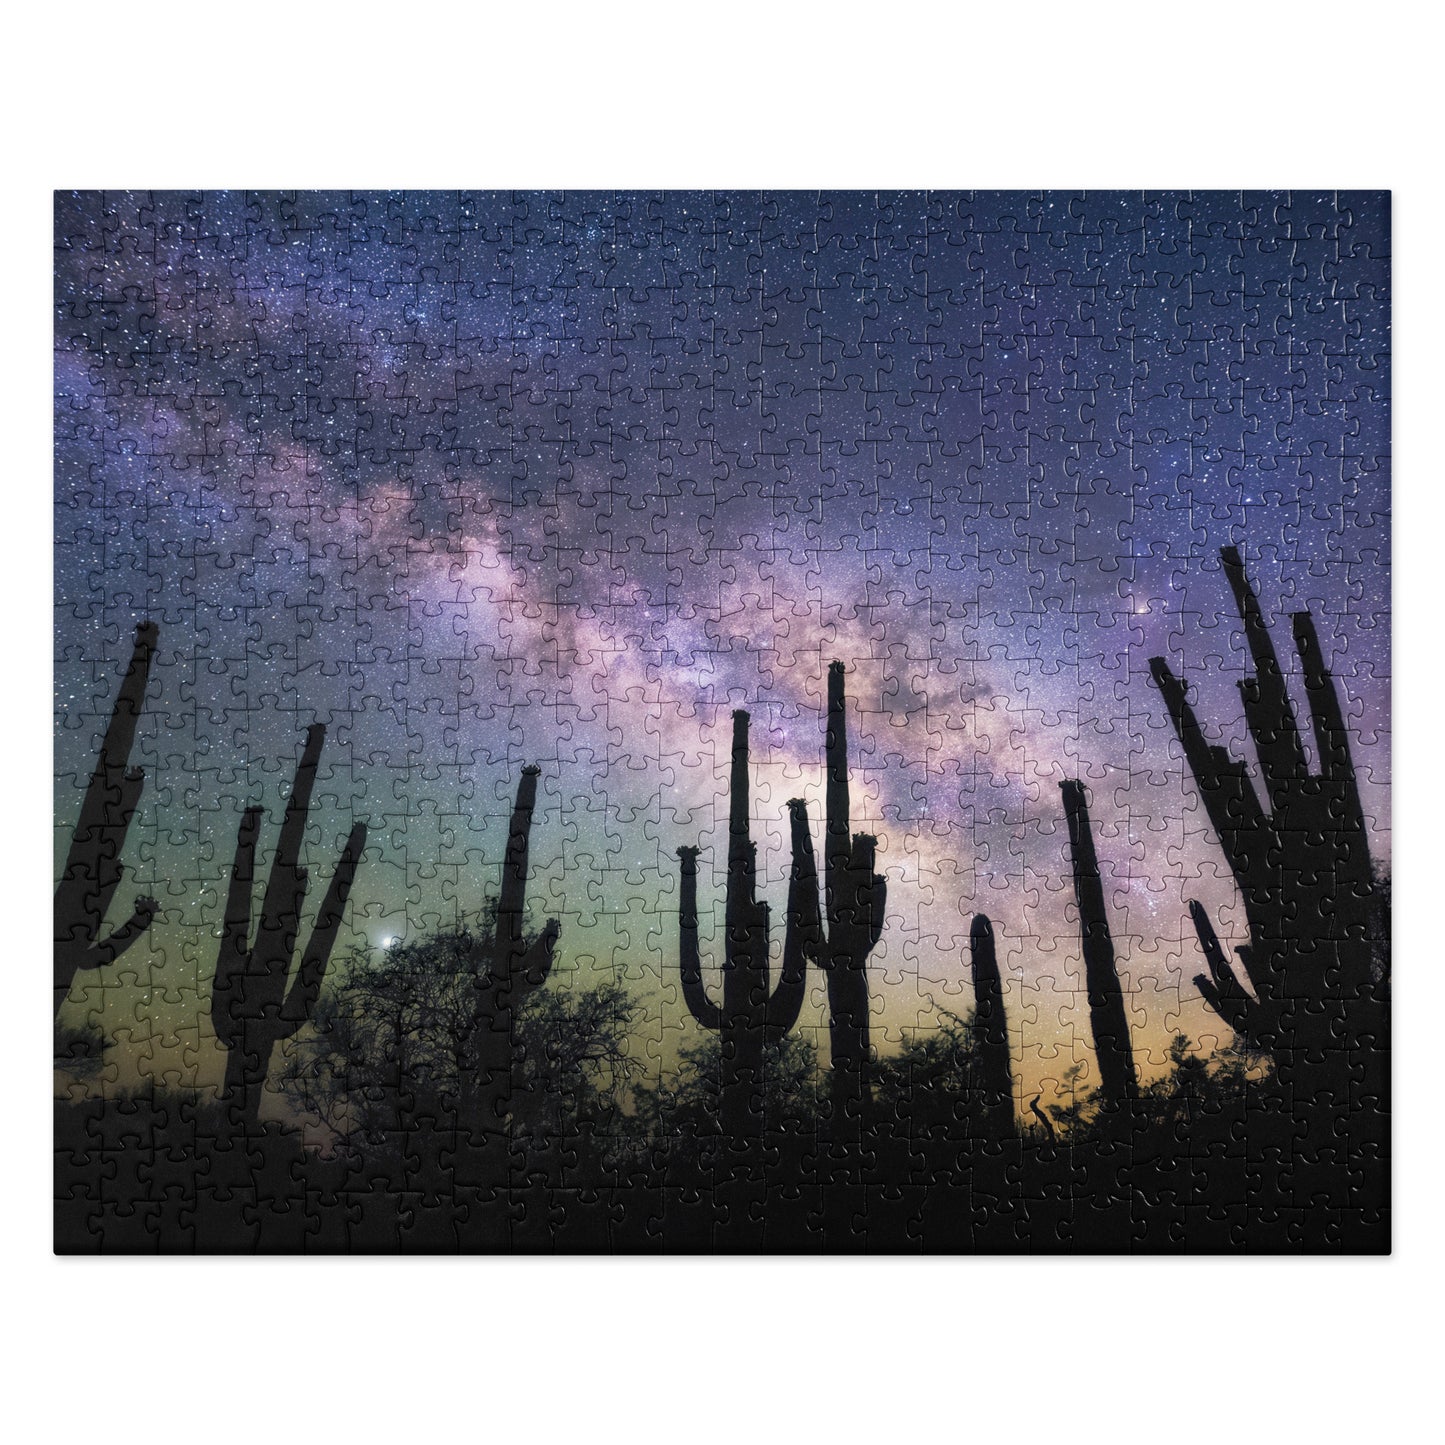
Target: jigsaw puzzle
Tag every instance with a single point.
(722, 722)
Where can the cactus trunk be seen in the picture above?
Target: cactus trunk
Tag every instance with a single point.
(855, 899)
(1107, 1018)
(995, 1074)
(252, 1009)
(515, 970)
(93, 869)
(752, 1011)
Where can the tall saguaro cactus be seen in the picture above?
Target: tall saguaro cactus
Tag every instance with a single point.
(1301, 860)
(251, 1007)
(995, 1074)
(855, 898)
(515, 969)
(93, 869)
(752, 1011)
(1107, 1018)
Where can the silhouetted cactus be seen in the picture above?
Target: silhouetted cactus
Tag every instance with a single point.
(1107, 1019)
(515, 969)
(855, 900)
(1303, 867)
(991, 1045)
(251, 1007)
(93, 868)
(752, 1011)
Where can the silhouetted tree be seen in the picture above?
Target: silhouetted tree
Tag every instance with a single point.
(938, 1081)
(1109, 1022)
(1076, 1119)
(1379, 929)
(683, 1105)
(752, 1012)
(93, 868)
(81, 1048)
(397, 1044)
(251, 1007)
(1044, 1122)
(1317, 989)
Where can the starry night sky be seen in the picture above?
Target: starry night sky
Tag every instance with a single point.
(479, 480)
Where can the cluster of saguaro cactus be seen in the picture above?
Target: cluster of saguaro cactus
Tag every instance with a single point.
(752, 1011)
(1107, 1018)
(93, 868)
(252, 1008)
(1301, 860)
(514, 969)
(854, 898)
(991, 1046)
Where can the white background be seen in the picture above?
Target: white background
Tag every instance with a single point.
(747, 94)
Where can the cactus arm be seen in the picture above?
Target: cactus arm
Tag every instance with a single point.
(234, 950)
(251, 1006)
(877, 909)
(120, 733)
(1221, 990)
(1219, 969)
(298, 805)
(113, 784)
(286, 886)
(1268, 710)
(110, 949)
(237, 926)
(1043, 1118)
(802, 936)
(694, 995)
(871, 897)
(306, 987)
(1234, 1013)
(1331, 737)
(1222, 782)
(1277, 741)
(857, 910)
(93, 870)
(1228, 793)
(1332, 741)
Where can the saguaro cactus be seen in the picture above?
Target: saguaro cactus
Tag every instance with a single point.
(856, 897)
(752, 1011)
(515, 969)
(1107, 1018)
(93, 868)
(995, 1074)
(251, 1007)
(1303, 867)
